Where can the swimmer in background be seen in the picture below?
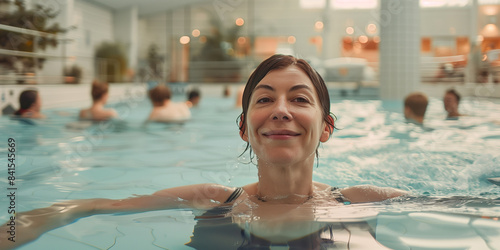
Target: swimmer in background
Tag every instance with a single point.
(194, 98)
(285, 117)
(97, 112)
(415, 105)
(164, 109)
(451, 100)
(30, 104)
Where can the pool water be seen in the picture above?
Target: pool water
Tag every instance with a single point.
(444, 164)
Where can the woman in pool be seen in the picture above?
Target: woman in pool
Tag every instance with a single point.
(286, 114)
(97, 112)
(30, 104)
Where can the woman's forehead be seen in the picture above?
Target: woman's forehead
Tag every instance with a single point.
(289, 75)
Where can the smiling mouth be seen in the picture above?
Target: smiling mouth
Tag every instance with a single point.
(280, 133)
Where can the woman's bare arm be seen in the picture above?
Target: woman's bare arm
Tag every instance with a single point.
(31, 224)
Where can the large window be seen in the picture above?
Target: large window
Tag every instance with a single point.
(339, 4)
(443, 3)
(371, 4)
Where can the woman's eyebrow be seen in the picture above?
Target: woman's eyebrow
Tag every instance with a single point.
(263, 86)
(300, 86)
(294, 88)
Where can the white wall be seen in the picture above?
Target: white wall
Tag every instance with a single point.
(153, 30)
(93, 25)
(126, 32)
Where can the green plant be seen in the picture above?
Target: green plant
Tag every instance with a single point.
(75, 72)
(34, 19)
(111, 62)
(219, 47)
(154, 60)
(219, 43)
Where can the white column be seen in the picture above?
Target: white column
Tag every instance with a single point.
(475, 46)
(399, 48)
(125, 26)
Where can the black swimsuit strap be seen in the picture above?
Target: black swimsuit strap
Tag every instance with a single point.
(339, 196)
(335, 192)
(237, 192)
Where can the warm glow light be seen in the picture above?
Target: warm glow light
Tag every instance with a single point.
(203, 39)
(490, 10)
(357, 47)
(349, 30)
(318, 25)
(371, 28)
(184, 39)
(376, 39)
(291, 40)
(490, 30)
(363, 39)
(240, 21)
(241, 40)
(196, 33)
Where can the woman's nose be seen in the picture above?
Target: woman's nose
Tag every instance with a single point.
(281, 111)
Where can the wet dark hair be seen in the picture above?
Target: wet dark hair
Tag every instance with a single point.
(193, 94)
(98, 89)
(159, 94)
(417, 102)
(277, 62)
(455, 93)
(27, 98)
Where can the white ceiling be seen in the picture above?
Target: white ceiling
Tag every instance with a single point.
(147, 7)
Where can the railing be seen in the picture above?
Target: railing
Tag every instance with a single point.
(12, 77)
(220, 71)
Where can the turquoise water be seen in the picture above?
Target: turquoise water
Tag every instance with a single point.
(444, 164)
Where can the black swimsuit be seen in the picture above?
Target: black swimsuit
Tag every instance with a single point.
(215, 230)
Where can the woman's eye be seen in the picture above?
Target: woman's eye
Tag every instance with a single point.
(264, 100)
(301, 99)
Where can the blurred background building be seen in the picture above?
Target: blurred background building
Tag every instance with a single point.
(393, 46)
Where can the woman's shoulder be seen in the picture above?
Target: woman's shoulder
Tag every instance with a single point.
(370, 193)
(84, 114)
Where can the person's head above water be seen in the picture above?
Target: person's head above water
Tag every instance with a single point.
(415, 106)
(30, 104)
(159, 95)
(99, 91)
(29, 99)
(451, 100)
(281, 90)
(194, 97)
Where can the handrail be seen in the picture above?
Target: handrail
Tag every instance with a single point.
(25, 31)
(25, 54)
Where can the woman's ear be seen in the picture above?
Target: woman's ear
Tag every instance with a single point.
(327, 130)
(243, 130)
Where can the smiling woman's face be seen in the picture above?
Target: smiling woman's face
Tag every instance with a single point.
(284, 118)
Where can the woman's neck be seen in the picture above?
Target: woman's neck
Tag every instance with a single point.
(289, 184)
(98, 105)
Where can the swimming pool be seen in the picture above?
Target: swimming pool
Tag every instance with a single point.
(444, 164)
